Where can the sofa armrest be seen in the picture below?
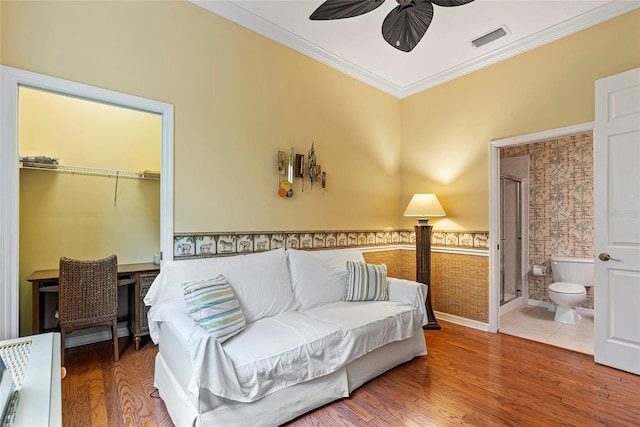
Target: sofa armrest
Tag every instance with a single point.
(211, 367)
(409, 292)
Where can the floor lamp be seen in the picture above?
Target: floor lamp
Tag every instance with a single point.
(424, 206)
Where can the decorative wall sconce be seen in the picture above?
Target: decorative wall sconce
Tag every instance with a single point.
(424, 206)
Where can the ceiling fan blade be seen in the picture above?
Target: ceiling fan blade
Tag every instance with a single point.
(338, 9)
(405, 25)
(449, 3)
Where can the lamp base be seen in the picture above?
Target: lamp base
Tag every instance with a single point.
(432, 324)
(423, 270)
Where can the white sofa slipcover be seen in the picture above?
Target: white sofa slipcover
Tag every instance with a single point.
(302, 347)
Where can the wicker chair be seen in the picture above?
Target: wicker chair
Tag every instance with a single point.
(88, 297)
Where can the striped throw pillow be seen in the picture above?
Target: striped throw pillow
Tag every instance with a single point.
(366, 282)
(213, 304)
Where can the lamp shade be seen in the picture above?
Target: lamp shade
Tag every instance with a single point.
(424, 205)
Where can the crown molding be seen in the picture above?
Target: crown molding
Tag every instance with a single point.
(235, 13)
(558, 31)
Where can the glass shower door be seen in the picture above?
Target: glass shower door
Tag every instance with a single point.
(510, 239)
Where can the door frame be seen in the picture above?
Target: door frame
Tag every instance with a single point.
(494, 206)
(10, 80)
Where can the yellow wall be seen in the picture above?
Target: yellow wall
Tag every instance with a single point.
(74, 214)
(446, 130)
(238, 98)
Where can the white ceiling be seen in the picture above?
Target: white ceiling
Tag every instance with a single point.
(355, 45)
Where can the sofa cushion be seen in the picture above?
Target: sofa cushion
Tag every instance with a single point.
(370, 324)
(277, 352)
(366, 282)
(319, 277)
(213, 304)
(260, 281)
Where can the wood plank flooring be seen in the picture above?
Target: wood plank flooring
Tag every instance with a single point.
(469, 377)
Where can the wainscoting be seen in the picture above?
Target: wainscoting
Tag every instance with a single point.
(459, 281)
(460, 284)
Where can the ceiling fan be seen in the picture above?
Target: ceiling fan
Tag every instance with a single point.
(403, 27)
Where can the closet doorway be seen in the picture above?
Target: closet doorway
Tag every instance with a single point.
(11, 80)
(89, 188)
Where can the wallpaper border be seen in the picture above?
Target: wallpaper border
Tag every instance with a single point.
(211, 244)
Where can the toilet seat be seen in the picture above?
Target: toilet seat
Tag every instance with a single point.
(567, 288)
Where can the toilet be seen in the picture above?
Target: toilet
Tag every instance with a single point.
(571, 277)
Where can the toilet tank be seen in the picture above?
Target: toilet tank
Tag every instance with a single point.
(572, 270)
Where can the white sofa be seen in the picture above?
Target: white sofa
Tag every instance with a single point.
(302, 347)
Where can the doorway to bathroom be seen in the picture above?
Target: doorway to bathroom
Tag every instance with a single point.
(559, 220)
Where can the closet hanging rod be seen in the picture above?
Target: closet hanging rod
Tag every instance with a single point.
(88, 171)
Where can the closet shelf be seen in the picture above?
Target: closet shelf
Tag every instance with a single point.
(92, 171)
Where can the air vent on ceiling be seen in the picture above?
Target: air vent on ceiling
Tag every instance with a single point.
(490, 36)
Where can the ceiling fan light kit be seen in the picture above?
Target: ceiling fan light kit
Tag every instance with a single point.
(403, 27)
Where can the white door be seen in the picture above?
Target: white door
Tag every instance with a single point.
(617, 221)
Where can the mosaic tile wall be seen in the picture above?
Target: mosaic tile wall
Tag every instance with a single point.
(202, 245)
(561, 213)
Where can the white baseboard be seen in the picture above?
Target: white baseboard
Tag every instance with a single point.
(545, 304)
(511, 305)
(462, 321)
(93, 335)
(552, 307)
(585, 311)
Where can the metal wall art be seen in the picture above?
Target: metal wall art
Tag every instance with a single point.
(285, 174)
(291, 165)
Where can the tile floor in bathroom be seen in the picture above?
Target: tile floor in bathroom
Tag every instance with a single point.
(537, 324)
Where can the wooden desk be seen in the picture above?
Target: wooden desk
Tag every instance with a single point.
(139, 275)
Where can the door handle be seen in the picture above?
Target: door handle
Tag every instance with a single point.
(606, 257)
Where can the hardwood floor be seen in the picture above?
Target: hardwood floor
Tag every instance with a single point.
(468, 377)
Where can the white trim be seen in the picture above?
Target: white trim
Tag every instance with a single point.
(234, 12)
(546, 134)
(9, 207)
(405, 247)
(586, 311)
(402, 246)
(563, 29)
(461, 251)
(511, 305)
(11, 79)
(494, 227)
(494, 205)
(462, 321)
(544, 304)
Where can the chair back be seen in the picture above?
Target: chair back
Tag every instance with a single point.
(88, 291)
